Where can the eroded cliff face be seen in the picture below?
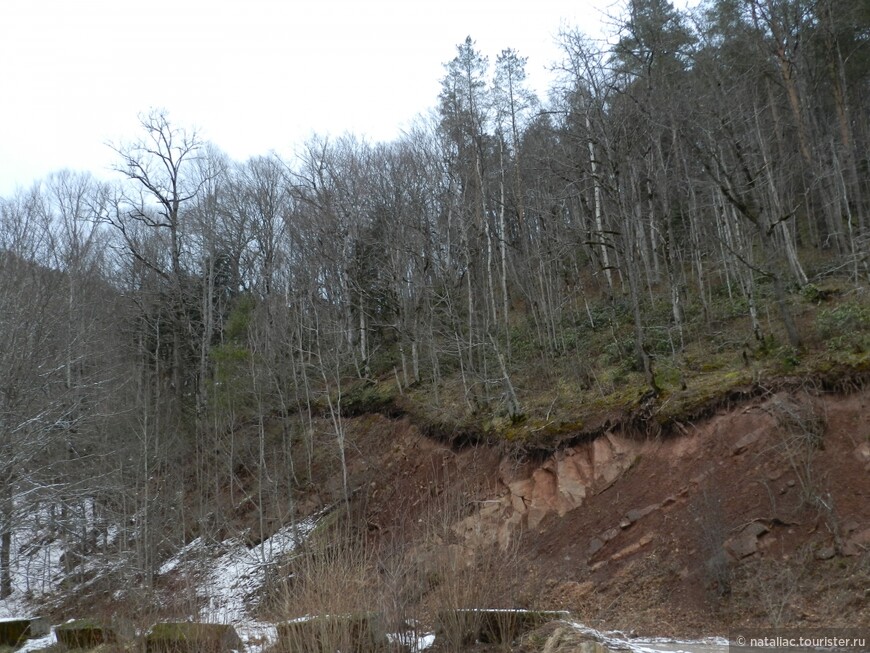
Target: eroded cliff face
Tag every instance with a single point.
(561, 483)
(771, 432)
(759, 513)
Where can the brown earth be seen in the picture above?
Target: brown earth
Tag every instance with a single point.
(758, 515)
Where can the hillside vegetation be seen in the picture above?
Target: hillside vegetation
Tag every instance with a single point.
(194, 350)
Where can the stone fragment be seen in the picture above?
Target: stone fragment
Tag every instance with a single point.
(825, 553)
(570, 640)
(595, 545)
(14, 631)
(640, 513)
(633, 548)
(192, 637)
(858, 543)
(362, 633)
(83, 634)
(756, 528)
(741, 546)
(747, 441)
(609, 534)
(461, 628)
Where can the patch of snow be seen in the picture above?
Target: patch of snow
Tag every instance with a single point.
(12, 608)
(228, 575)
(35, 563)
(38, 643)
(180, 555)
(621, 641)
(257, 636)
(299, 620)
(38, 546)
(240, 572)
(412, 641)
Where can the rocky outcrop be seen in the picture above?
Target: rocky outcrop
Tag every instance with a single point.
(564, 481)
(558, 485)
(745, 542)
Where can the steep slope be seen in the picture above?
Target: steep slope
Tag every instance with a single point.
(759, 514)
(756, 515)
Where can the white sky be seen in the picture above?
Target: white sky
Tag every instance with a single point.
(251, 75)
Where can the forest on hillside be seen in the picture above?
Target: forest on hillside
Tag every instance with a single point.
(204, 326)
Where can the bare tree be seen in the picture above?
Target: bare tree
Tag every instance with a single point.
(161, 165)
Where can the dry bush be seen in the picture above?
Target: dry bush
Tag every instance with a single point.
(802, 428)
(706, 508)
(370, 586)
(342, 592)
(332, 570)
(776, 586)
(466, 571)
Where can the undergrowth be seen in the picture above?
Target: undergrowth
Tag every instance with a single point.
(589, 378)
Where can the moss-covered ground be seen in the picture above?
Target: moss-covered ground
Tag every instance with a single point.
(590, 380)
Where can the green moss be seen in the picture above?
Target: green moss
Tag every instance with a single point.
(590, 382)
(192, 637)
(14, 631)
(537, 431)
(368, 397)
(362, 633)
(701, 391)
(83, 634)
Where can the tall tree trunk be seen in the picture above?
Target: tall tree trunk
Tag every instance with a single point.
(596, 195)
(6, 542)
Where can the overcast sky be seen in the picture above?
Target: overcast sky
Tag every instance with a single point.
(251, 75)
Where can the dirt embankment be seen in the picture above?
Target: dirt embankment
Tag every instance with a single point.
(758, 514)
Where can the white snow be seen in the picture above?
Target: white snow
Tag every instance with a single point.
(239, 573)
(37, 549)
(411, 641)
(228, 576)
(620, 641)
(35, 566)
(12, 608)
(182, 553)
(37, 644)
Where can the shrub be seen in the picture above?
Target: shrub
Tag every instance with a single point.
(845, 327)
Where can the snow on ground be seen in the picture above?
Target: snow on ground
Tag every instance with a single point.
(38, 644)
(411, 641)
(35, 561)
(239, 572)
(620, 641)
(13, 607)
(229, 577)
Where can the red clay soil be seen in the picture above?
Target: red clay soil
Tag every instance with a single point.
(758, 515)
